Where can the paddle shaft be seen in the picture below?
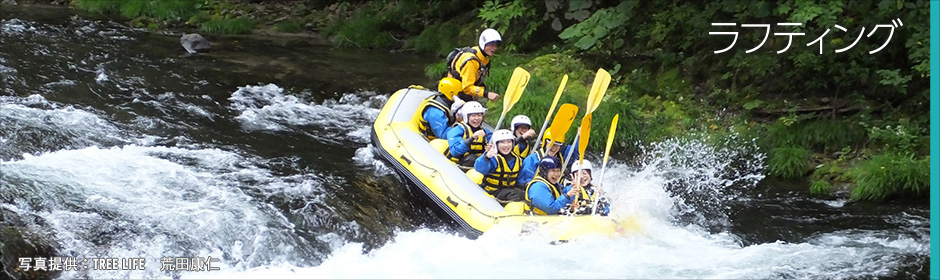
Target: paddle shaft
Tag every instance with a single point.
(517, 84)
(500, 121)
(564, 163)
(600, 186)
(576, 181)
(610, 141)
(501, 116)
(538, 142)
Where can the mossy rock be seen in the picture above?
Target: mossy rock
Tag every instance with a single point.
(15, 244)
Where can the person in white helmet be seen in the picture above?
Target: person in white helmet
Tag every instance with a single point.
(467, 139)
(499, 167)
(471, 65)
(522, 130)
(552, 146)
(581, 175)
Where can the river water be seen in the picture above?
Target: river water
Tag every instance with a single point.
(258, 154)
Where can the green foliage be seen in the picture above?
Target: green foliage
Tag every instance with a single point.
(288, 26)
(820, 188)
(143, 12)
(902, 139)
(214, 16)
(824, 135)
(436, 70)
(515, 21)
(750, 105)
(788, 162)
(546, 73)
(227, 25)
(888, 175)
(98, 6)
(363, 30)
(675, 33)
(604, 31)
(894, 79)
(833, 170)
(437, 39)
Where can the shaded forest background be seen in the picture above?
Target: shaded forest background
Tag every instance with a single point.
(854, 123)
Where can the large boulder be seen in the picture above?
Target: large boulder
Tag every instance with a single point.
(17, 241)
(194, 44)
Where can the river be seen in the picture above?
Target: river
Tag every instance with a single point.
(258, 154)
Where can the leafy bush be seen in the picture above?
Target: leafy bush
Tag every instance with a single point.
(788, 162)
(900, 139)
(887, 175)
(517, 15)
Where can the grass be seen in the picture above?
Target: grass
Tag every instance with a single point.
(154, 14)
(538, 94)
(362, 30)
(788, 162)
(642, 119)
(824, 135)
(890, 175)
(98, 6)
(226, 25)
(820, 187)
(161, 10)
(288, 26)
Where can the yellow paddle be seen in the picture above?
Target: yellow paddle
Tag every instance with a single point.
(598, 89)
(610, 141)
(562, 121)
(538, 141)
(584, 136)
(601, 81)
(517, 84)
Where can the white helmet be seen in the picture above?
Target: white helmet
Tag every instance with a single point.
(575, 167)
(488, 36)
(584, 165)
(455, 108)
(520, 119)
(471, 107)
(500, 135)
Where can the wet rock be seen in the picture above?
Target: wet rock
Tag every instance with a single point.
(194, 44)
(16, 241)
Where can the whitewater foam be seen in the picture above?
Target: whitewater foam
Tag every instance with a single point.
(153, 202)
(269, 108)
(663, 249)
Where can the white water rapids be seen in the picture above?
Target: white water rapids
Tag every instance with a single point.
(151, 201)
(106, 182)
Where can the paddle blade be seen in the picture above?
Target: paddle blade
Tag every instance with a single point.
(610, 138)
(585, 136)
(563, 120)
(601, 81)
(517, 84)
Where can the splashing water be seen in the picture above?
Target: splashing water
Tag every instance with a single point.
(73, 174)
(703, 177)
(35, 125)
(155, 201)
(268, 108)
(678, 177)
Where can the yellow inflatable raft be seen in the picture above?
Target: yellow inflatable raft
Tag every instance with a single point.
(396, 140)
